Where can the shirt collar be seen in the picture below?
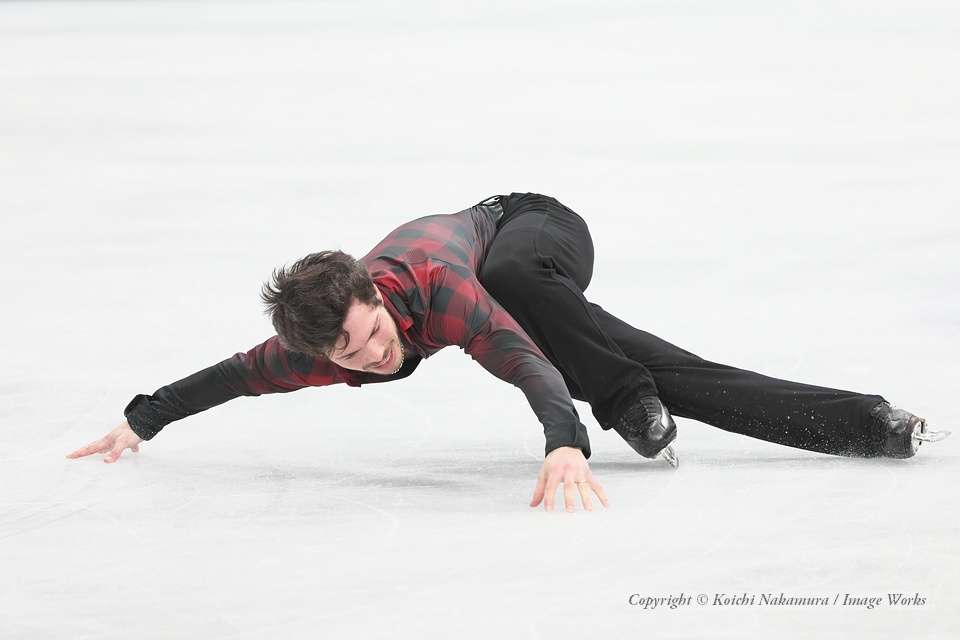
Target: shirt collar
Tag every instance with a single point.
(395, 306)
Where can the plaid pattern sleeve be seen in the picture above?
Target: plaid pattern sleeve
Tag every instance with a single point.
(465, 314)
(266, 368)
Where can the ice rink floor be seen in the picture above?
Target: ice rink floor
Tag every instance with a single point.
(772, 186)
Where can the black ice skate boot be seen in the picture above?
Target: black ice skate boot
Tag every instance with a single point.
(649, 428)
(902, 432)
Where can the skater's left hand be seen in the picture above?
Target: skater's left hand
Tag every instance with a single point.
(566, 465)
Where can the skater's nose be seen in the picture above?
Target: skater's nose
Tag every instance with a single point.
(376, 350)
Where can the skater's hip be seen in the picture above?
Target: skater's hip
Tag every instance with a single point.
(511, 207)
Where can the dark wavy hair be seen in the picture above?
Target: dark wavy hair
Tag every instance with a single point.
(308, 302)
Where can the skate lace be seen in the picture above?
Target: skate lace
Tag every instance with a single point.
(636, 419)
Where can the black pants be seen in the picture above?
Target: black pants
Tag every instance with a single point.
(539, 265)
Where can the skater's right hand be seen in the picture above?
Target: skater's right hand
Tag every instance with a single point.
(112, 444)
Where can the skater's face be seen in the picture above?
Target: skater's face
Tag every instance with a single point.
(371, 342)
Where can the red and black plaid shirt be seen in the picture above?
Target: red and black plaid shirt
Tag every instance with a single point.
(426, 270)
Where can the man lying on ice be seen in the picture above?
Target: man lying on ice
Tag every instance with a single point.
(504, 280)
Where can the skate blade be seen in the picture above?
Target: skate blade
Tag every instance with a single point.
(931, 436)
(670, 456)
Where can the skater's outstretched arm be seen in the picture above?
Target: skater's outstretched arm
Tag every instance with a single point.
(266, 368)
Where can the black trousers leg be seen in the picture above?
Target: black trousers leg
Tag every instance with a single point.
(538, 267)
(741, 401)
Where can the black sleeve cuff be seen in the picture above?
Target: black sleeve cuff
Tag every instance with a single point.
(574, 436)
(138, 415)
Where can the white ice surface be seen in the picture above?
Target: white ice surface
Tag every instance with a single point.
(772, 185)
